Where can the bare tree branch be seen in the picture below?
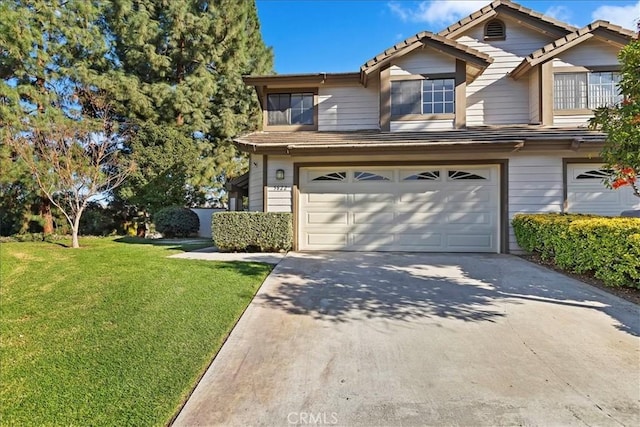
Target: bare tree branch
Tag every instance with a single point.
(74, 161)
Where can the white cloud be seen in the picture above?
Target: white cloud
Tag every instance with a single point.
(626, 16)
(559, 12)
(443, 12)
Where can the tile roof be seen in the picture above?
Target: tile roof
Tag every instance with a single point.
(554, 48)
(486, 136)
(474, 17)
(424, 37)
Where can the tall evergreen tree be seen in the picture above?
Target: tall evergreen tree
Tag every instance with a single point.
(187, 59)
(165, 159)
(53, 113)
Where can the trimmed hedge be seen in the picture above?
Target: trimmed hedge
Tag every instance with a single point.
(608, 247)
(253, 231)
(176, 221)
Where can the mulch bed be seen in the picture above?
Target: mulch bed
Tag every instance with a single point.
(629, 294)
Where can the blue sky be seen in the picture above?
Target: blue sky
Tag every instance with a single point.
(310, 36)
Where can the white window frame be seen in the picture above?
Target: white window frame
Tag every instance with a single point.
(444, 102)
(588, 88)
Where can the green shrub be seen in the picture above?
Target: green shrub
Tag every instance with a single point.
(175, 221)
(32, 237)
(252, 231)
(607, 247)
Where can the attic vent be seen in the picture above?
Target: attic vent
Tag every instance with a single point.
(494, 30)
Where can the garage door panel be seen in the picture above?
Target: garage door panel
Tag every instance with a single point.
(376, 198)
(373, 218)
(326, 198)
(474, 218)
(430, 196)
(327, 239)
(319, 218)
(469, 241)
(421, 214)
(377, 240)
(480, 196)
(419, 218)
(430, 240)
(584, 195)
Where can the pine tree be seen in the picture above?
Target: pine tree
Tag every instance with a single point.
(53, 113)
(184, 62)
(165, 159)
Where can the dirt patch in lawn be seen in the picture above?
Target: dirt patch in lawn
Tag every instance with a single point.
(630, 294)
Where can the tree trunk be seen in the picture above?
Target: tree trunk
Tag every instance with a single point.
(75, 228)
(45, 213)
(74, 233)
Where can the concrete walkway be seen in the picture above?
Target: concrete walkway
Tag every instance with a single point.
(212, 254)
(417, 339)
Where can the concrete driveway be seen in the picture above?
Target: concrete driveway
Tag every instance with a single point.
(419, 339)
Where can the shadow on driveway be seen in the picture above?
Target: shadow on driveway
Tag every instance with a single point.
(469, 287)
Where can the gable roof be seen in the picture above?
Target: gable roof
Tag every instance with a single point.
(535, 19)
(476, 61)
(605, 30)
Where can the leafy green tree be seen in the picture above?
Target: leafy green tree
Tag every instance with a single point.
(165, 160)
(183, 63)
(621, 123)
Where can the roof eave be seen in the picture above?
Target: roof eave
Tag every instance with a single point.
(504, 146)
(478, 60)
(512, 9)
(614, 34)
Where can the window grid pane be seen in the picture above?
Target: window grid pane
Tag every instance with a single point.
(405, 97)
(578, 91)
(603, 89)
(278, 109)
(290, 109)
(438, 96)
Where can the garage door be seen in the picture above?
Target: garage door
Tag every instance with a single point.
(587, 194)
(423, 209)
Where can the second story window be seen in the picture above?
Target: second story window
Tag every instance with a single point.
(585, 91)
(422, 97)
(290, 109)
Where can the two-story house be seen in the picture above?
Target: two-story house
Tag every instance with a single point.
(439, 140)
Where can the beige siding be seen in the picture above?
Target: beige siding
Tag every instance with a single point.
(424, 61)
(535, 185)
(494, 98)
(279, 192)
(572, 121)
(592, 52)
(348, 108)
(534, 96)
(255, 183)
(421, 125)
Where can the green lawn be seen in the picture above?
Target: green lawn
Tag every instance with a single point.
(114, 333)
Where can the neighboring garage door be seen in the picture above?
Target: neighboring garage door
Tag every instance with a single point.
(423, 209)
(587, 194)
